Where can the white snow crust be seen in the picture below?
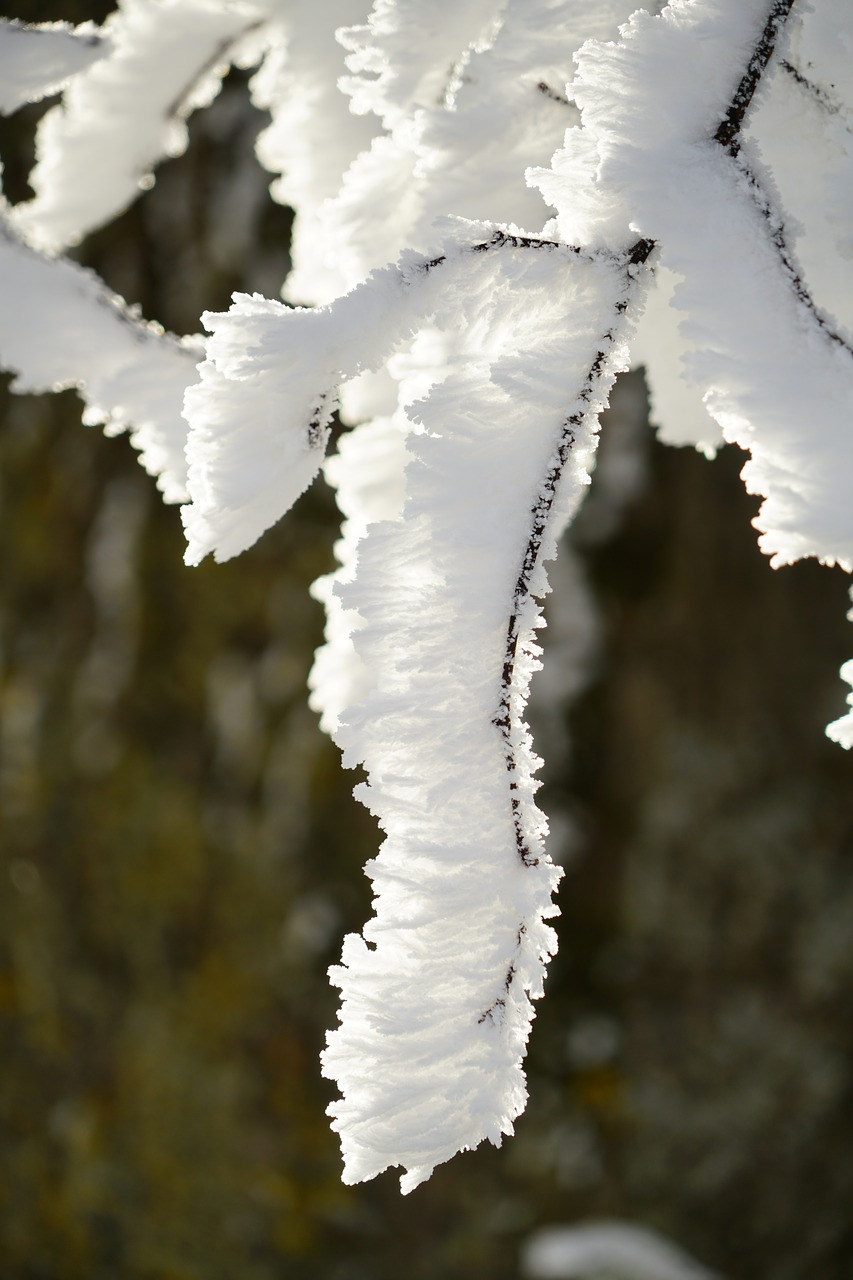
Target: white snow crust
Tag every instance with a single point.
(768, 375)
(472, 370)
(96, 150)
(436, 997)
(36, 60)
(66, 329)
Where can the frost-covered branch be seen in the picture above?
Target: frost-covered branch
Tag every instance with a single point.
(473, 372)
(433, 614)
(61, 327)
(728, 136)
(36, 61)
(96, 150)
(436, 1007)
(271, 379)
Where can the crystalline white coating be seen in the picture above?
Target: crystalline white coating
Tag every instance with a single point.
(312, 138)
(675, 407)
(259, 417)
(480, 364)
(125, 113)
(458, 143)
(408, 56)
(367, 475)
(37, 60)
(436, 1002)
(760, 355)
(67, 330)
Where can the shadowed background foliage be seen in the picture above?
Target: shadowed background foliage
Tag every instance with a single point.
(180, 857)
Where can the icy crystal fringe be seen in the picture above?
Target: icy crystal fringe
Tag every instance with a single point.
(436, 994)
(703, 160)
(436, 997)
(61, 326)
(69, 330)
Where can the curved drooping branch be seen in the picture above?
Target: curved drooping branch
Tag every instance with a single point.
(436, 998)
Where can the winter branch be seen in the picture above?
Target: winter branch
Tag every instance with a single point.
(473, 373)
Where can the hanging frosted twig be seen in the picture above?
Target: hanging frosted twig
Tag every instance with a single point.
(473, 371)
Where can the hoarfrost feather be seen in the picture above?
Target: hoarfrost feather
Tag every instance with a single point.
(436, 997)
(312, 138)
(646, 154)
(259, 418)
(97, 148)
(61, 327)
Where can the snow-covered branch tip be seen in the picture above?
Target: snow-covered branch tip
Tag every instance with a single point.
(68, 330)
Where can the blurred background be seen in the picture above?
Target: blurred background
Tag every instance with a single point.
(180, 853)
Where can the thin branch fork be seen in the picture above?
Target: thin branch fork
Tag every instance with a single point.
(728, 136)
